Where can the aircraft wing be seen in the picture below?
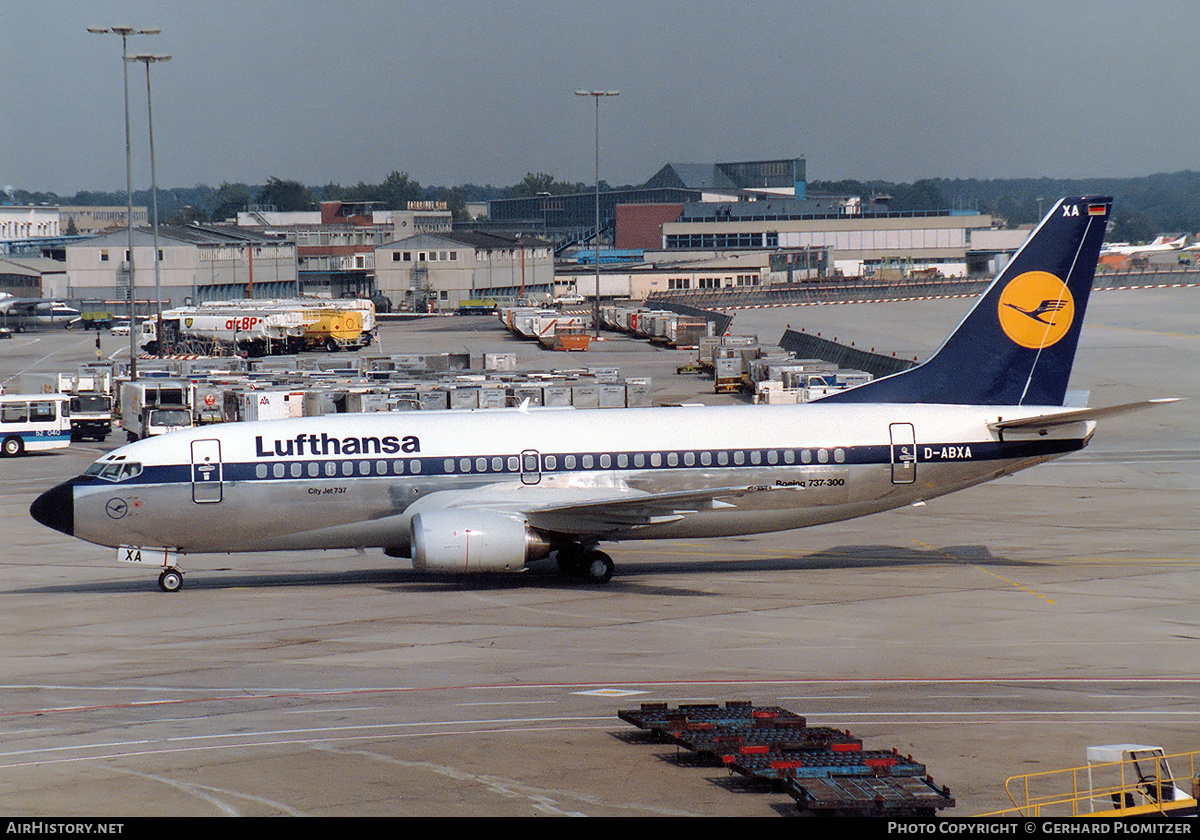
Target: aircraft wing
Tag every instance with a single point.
(631, 509)
(1062, 418)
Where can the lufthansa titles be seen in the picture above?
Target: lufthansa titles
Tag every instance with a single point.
(323, 445)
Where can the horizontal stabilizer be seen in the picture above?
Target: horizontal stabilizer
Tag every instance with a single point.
(1062, 418)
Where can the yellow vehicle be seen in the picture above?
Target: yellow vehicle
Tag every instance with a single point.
(334, 329)
(1119, 780)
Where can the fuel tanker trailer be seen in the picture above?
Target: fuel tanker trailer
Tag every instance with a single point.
(218, 331)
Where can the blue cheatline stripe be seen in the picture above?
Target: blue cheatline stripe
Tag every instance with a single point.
(557, 463)
(36, 436)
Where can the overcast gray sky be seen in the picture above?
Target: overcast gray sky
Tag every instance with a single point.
(459, 91)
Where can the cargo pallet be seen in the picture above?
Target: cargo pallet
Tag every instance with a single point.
(779, 767)
(825, 770)
(663, 721)
(725, 748)
(870, 796)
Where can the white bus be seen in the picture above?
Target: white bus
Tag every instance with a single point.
(33, 422)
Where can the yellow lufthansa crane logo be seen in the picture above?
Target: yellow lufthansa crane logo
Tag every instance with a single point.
(1036, 309)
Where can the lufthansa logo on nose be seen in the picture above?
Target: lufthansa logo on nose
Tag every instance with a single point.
(1036, 309)
(116, 508)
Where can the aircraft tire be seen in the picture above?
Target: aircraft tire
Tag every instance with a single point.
(597, 567)
(171, 580)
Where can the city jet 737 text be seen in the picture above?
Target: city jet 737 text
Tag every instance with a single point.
(493, 490)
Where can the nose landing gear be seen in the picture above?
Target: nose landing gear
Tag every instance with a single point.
(171, 580)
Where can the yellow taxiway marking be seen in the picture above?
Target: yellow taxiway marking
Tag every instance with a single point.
(1131, 561)
(1009, 581)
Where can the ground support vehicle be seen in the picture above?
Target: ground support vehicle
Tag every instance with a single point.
(34, 423)
(333, 329)
(91, 416)
(329, 324)
(1119, 780)
(567, 339)
(90, 403)
(221, 332)
(156, 407)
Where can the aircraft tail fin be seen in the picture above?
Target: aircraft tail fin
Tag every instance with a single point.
(1017, 344)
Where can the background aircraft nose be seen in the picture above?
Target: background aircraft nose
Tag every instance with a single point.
(56, 508)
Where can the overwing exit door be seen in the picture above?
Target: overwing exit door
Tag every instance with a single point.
(531, 466)
(904, 453)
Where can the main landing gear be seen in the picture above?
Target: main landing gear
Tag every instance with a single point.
(591, 564)
(171, 580)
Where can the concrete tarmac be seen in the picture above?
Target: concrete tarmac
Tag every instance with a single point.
(998, 631)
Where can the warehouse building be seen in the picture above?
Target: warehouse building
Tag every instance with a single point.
(435, 270)
(32, 277)
(200, 263)
(100, 219)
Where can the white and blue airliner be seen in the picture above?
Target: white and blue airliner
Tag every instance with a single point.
(493, 490)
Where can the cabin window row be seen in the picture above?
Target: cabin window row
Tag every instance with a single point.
(555, 463)
(333, 469)
(703, 458)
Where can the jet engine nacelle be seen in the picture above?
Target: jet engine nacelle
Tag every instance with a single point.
(463, 541)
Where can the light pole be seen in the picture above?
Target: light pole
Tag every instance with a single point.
(125, 32)
(158, 337)
(596, 95)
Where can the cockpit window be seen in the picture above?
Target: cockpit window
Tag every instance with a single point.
(114, 470)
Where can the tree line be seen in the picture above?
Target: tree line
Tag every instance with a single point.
(1144, 207)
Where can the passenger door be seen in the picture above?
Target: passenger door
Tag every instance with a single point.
(206, 471)
(904, 453)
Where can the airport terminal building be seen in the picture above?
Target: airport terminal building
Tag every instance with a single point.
(858, 244)
(725, 225)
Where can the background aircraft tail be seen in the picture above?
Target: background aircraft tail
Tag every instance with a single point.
(1017, 344)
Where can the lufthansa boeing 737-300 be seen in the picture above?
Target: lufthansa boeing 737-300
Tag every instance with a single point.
(492, 490)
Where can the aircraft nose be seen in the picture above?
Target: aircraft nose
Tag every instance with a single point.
(56, 508)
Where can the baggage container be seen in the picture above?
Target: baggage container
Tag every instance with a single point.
(404, 399)
(318, 403)
(637, 393)
(533, 393)
(612, 396)
(272, 405)
(585, 395)
(367, 402)
(493, 397)
(464, 397)
(556, 396)
(853, 378)
(434, 399)
(375, 364)
(604, 376)
(688, 333)
(499, 361)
